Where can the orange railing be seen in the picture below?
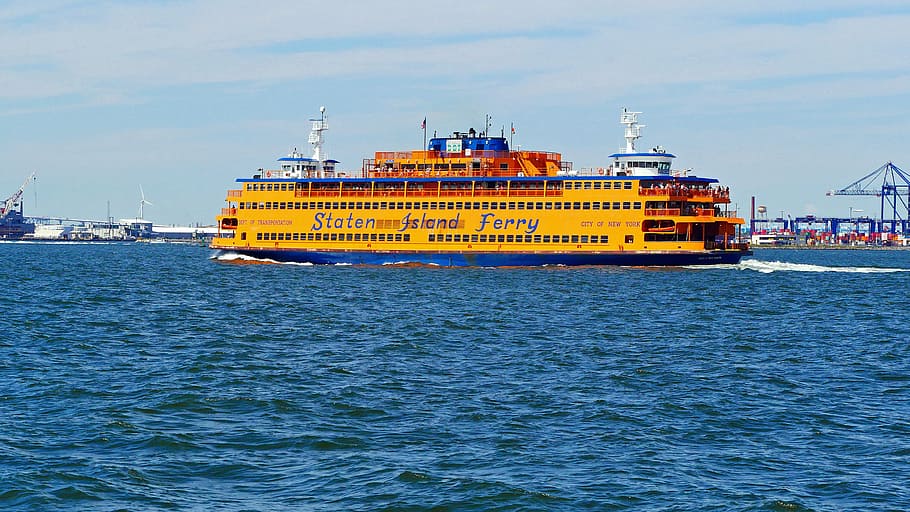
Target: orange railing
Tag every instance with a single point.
(710, 194)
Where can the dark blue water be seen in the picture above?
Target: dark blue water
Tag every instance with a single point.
(151, 377)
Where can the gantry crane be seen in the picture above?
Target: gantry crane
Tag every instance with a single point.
(893, 186)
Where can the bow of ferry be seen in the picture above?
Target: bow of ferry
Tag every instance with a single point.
(470, 200)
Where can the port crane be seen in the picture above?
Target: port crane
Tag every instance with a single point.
(893, 186)
(14, 201)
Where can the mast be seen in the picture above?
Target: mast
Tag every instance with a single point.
(633, 129)
(317, 139)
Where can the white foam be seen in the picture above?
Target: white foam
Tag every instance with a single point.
(233, 256)
(767, 267)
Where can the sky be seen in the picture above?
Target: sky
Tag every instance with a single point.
(780, 100)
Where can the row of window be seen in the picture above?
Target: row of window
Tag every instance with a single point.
(526, 239)
(336, 237)
(569, 185)
(432, 237)
(440, 205)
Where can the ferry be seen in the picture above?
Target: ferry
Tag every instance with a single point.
(470, 200)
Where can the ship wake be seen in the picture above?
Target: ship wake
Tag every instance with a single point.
(767, 267)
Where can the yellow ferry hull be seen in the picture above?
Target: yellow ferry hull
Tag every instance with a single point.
(473, 221)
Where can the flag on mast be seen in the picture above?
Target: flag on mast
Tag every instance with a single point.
(423, 124)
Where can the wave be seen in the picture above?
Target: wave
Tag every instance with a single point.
(243, 258)
(767, 267)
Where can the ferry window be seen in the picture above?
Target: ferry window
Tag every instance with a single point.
(500, 238)
(243, 235)
(627, 185)
(268, 205)
(432, 205)
(241, 205)
(476, 205)
(630, 239)
(584, 239)
(424, 205)
(615, 205)
(333, 237)
(382, 237)
(587, 185)
(281, 206)
(296, 236)
(296, 205)
(320, 205)
(373, 237)
(334, 206)
(548, 206)
(537, 239)
(349, 237)
(258, 236)
(284, 187)
(566, 206)
(626, 205)
(595, 205)
(557, 206)
(408, 205)
(565, 239)
(448, 238)
(309, 237)
(356, 237)
(596, 185)
(511, 206)
(383, 205)
(494, 205)
(604, 239)
(473, 238)
(574, 239)
(344, 205)
(485, 205)
(576, 206)
(450, 206)
(407, 237)
(608, 185)
(546, 239)
(636, 205)
(280, 236)
(274, 236)
(510, 238)
(459, 205)
(268, 187)
(397, 237)
(521, 205)
(538, 206)
(483, 238)
(504, 167)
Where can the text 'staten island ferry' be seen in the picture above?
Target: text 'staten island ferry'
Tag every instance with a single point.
(468, 199)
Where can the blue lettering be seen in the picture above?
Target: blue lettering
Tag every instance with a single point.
(317, 224)
(483, 221)
(489, 220)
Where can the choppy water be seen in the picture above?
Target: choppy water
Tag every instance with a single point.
(151, 377)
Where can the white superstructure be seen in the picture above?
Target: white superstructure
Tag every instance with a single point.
(631, 162)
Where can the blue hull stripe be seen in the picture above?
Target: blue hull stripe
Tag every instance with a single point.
(497, 259)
